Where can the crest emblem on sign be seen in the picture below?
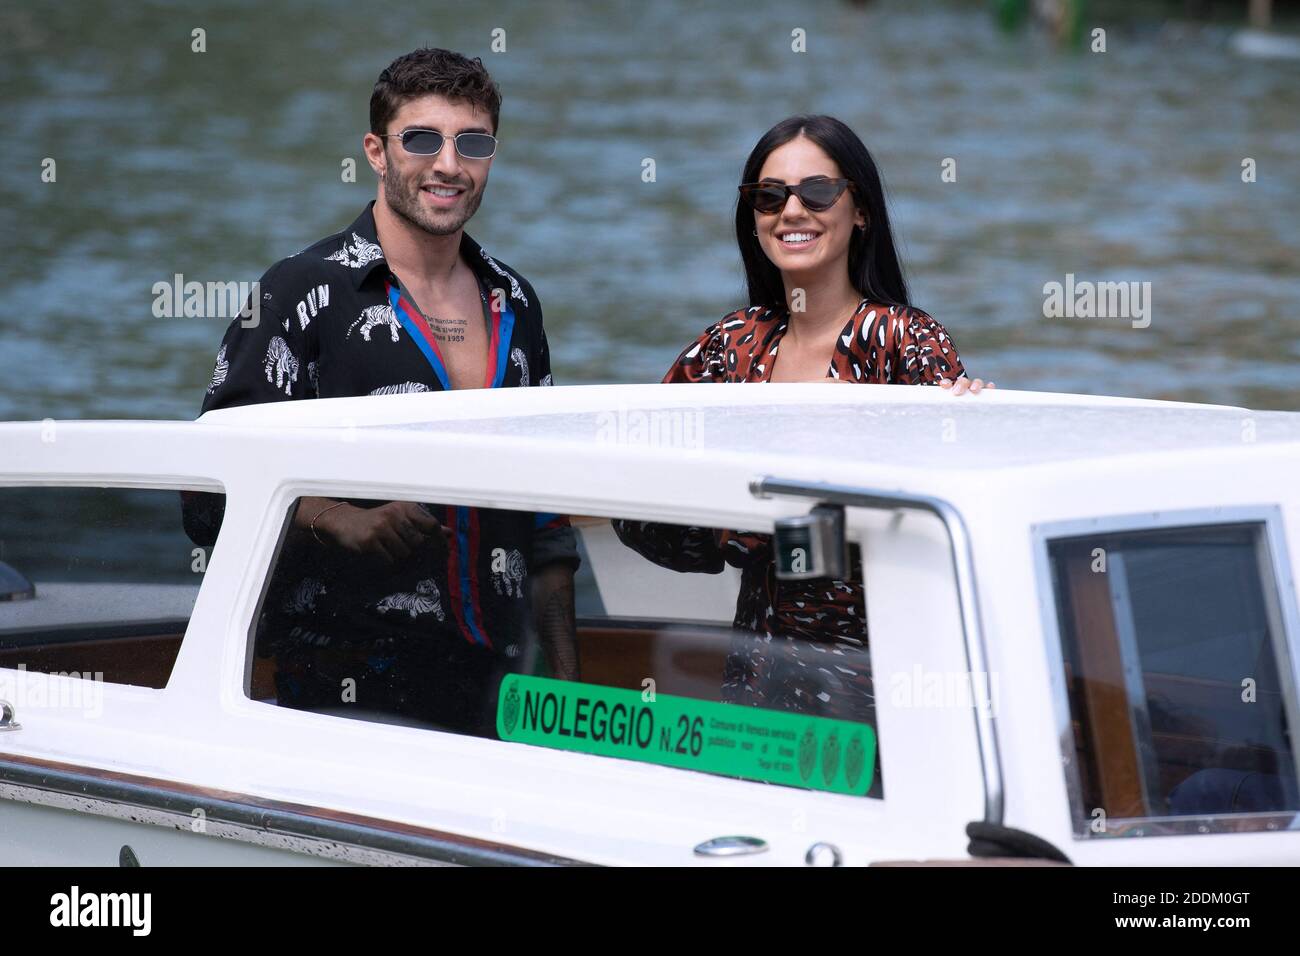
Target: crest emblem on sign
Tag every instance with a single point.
(510, 709)
(830, 756)
(807, 753)
(855, 760)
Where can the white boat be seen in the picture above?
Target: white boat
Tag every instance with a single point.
(1082, 619)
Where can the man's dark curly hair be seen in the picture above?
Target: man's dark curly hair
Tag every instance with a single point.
(431, 70)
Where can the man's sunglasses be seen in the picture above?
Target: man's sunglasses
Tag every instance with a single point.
(428, 142)
(817, 195)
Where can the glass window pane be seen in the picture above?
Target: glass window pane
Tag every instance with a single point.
(113, 579)
(1171, 643)
(466, 619)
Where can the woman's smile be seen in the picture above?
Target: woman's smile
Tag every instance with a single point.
(797, 240)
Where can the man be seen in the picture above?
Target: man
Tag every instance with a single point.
(403, 300)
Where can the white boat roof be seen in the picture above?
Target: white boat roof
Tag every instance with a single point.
(885, 426)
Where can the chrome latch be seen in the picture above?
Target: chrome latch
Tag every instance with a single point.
(7, 721)
(731, 846)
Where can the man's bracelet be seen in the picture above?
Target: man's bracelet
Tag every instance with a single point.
(336, 504)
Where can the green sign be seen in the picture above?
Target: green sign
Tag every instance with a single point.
(775, 746)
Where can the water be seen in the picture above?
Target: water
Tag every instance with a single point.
(1117, 166)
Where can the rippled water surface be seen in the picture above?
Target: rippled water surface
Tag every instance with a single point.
(1117, 166)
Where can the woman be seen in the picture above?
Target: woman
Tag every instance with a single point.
(827, 301)
(827, 297)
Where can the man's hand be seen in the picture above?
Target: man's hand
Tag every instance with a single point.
(392, 532)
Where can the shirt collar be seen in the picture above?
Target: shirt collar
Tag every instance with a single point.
(363, 227)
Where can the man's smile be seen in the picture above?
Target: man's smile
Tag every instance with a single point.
(442, 195)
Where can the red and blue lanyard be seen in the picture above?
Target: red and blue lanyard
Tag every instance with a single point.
(463, 559)
(502, 327)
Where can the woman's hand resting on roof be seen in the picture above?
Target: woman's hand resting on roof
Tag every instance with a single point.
(962, 385)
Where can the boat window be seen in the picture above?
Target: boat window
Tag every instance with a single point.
(1179, 684)
(96, 583)
(456, 619)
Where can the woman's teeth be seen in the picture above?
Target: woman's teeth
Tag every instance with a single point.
(798, 238)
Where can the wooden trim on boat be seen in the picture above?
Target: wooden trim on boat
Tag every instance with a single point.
(1117, 769)
(315, 831)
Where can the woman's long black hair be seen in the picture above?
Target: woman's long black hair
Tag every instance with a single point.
(874, 268)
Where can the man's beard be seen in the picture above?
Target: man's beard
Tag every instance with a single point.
(403, 198)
